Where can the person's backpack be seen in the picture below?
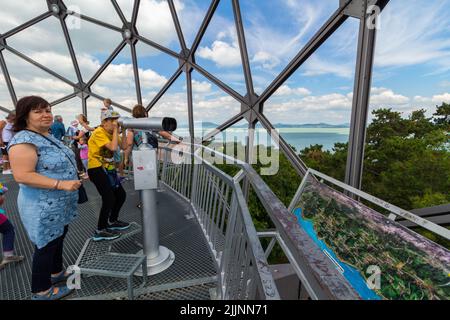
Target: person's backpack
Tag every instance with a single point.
(151, 139)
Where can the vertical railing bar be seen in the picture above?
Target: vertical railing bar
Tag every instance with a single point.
(247, 272)
(202, 193)
(197, 172)
(169, 174)
(208, 206)
(255, 283)
(205, 192)
(225, 207)
(183, 190)
(210, 202)
(215, 212)
(193, 193)
(219, 209)
(183, 179)
(230, 254)
(239, 255)
(227, 247)
(188, 179)
(208, 192)
(235, 269)
(165, 162)
(172, 176)
(176, 177)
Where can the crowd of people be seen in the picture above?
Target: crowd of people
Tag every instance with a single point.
(50, 163)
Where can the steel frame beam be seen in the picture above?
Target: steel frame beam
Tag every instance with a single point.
(230, 122)
(166, 87)
(336, 20)
(243, 50)
(219, 83)
(136, 73)
(94, 21)
(40, 66)
(27, 24)
(293, 158)
(108, 61)
(63, 99)
(176, 22)
(252, 105)
(119, 12)
(71, 50)
(361, 96)
(158, 46)
(135, 13)
(188, 71)
(7, 77)
(209, 14)
(4, 109)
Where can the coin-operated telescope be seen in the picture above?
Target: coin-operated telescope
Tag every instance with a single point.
(150, 124)
(145, 167)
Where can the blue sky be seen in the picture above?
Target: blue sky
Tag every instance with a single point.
(412, 61)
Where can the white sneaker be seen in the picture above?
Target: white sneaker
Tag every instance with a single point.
(7, 171)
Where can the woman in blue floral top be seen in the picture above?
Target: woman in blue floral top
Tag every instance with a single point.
(46, 172)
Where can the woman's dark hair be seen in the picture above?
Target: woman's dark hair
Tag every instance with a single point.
(139, 111)
(83, 118)
(24, 107)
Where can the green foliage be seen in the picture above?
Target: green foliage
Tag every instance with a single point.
(407, 163)
(442, 116)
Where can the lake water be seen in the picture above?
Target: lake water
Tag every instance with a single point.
(297, 137)
(353, 275)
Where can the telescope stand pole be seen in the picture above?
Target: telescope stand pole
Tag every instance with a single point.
(150, 223)
(159, 258)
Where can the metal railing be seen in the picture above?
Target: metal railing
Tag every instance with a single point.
(218, 203)
(394, 211)
(222, 211)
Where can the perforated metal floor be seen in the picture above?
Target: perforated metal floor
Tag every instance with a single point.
(191, 276)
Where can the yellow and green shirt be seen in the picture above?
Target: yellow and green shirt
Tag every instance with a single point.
(98, 154)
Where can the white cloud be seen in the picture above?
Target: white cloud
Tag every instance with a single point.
(285, 90)
(201, 86)
(315, 66)
(44, 42)
(414, 34)
(445, 84)
(266, 59)
(335, 107)
(420, 99)
(445, 97)
(383, 96)
(222, 53)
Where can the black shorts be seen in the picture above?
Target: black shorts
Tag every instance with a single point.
(5, 149)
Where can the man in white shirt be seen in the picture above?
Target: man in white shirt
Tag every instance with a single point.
(7, 133)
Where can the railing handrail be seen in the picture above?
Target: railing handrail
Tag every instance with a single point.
(302, 251)
(395, 211)
(267, 284)
(297, 246)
